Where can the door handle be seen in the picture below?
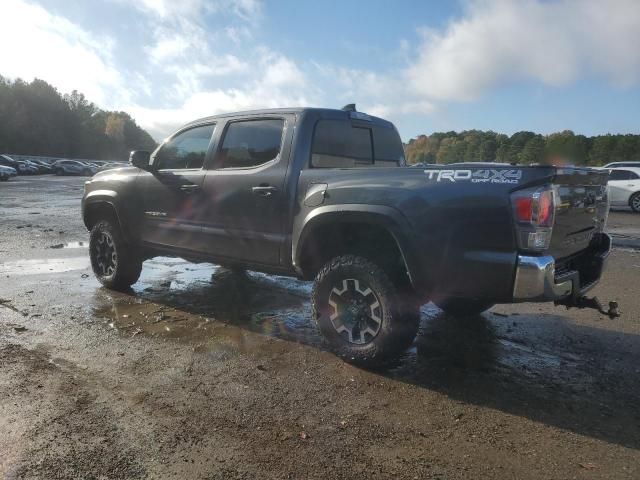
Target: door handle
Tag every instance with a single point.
(264, 190)
(189, 188)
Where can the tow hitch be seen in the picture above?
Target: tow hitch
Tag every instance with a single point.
(593, 302)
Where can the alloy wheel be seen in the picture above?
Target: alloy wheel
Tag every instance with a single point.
(357, 313)
(106, 258)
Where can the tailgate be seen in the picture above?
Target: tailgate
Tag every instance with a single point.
(582, 206)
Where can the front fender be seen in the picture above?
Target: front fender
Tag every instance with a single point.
(104, 198)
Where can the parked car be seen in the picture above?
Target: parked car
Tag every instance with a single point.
(6, 173)
(321, 194)
(622, 164)
(20, 167)
(73, 167)
(44, 167)
(28, 168)
(624, 187)
(111, 166)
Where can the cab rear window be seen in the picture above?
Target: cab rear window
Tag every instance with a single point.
(340, 144)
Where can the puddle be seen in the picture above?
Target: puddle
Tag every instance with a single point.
(209, 306)
(43, 265)
(216, 310)
(70, 245)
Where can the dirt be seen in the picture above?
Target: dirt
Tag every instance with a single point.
(203, 373)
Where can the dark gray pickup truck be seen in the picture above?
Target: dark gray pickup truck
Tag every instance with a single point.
(324, 194)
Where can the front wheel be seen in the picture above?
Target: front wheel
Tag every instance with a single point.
(360, 313)
(116, 264)
(460, 307)
(634, 202)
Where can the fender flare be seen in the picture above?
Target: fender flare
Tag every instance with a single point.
(386, 217)
(104, 197)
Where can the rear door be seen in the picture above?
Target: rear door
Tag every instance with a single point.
(246, 201)
(621, 184)
(172, 200)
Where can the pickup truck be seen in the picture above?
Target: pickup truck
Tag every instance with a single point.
(325, 194)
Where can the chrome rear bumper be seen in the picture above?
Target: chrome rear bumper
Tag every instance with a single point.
(536, 279)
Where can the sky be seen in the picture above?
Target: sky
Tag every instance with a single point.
(502, 65)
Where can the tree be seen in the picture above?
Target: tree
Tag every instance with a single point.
(36, 120)
(533, 151)
(522, 147)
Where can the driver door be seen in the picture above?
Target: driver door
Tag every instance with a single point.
(171, 193)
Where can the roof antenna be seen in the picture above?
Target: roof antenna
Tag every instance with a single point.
(351, 107)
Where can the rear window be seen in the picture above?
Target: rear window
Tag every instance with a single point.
(339, 144)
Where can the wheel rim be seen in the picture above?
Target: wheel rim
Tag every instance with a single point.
(356, 311)
(104, 253)
(635, 202)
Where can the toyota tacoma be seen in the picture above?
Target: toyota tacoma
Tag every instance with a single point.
(324, 195)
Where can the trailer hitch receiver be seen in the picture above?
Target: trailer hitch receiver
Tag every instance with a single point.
(590, 302)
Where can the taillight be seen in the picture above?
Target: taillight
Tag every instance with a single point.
(534, 212)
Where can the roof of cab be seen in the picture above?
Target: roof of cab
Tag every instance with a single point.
(271, 111)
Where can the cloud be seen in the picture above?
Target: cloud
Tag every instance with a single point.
(50, 47)
(276, 82)
(498, 42)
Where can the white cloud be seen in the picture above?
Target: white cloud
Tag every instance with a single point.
(39, 44)
(555, 43)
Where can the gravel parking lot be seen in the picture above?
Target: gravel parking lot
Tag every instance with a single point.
(203, 373)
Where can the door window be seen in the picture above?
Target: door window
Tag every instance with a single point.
(250, 143)
(621, 175)
(186, 150)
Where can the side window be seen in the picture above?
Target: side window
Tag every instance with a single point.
(338, 144)
(633, 176)
(186, 150)
(250, 143)
(620, 175)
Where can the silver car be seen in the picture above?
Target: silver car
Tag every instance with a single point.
(73, 167)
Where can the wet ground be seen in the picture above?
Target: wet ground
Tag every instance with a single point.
(199, 372)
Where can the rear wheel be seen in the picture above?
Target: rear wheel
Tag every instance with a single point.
(634, 202)
(359, 312)
(115, 263)
(460, 307)
(59, 171)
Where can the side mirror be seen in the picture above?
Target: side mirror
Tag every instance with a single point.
(140, 159)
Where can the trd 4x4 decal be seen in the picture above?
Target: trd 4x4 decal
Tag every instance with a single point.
(475, 176)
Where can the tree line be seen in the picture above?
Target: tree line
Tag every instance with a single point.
(522, 147)
(35, 119)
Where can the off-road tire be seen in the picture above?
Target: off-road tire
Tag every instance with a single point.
(634, 202)
(399, 316)
(127, 262)
(463, 307)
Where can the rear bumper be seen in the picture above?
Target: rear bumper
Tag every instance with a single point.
(540, 279)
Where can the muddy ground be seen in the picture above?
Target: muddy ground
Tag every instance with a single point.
(201, 373)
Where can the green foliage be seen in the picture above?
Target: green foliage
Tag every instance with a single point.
(522, 148)
(36, 120)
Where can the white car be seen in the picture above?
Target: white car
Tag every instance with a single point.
(624, 187)
(623, 164)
